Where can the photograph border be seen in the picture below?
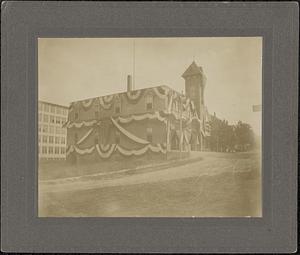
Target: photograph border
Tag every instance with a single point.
(24, 22)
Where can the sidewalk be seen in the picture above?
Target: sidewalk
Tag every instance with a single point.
(139, 169)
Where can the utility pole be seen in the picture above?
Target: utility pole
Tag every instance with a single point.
(133, 67)
(168, 137)
(181, 134)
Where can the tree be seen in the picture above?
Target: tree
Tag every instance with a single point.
(245, 138)
(229, 138)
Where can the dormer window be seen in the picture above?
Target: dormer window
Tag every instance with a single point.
(149, 102)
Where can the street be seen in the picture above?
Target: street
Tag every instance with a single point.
(214, 185)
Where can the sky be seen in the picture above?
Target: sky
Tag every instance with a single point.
(73, 69)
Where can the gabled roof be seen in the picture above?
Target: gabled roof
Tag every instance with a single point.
(192, 70)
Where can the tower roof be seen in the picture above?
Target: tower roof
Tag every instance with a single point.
(192, 70)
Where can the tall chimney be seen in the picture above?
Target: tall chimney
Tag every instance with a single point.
(129, 83)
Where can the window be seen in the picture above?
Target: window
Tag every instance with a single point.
(50, 150)
(117, 106)
(39, 138)
(40, 128)
(176, 106)
(149, 134)
(63, 131)
(75, 137)
(51, 129)
(52, 109)
(45, 139)
(62, 150)
(97, 115)
(117, 109)
(56, 150)
(44, 149)
(46, 118)
(46, 108)
(51, 119)
(63, 120)
(149, 102)
(45, 128)
(76, 115)
(57, 120)
(51, 139)
(62, 140)
(57, 130)
(40, 117)
(58, 110)
(64, 111)
(57, 140)
(40, 106)
(117, 138)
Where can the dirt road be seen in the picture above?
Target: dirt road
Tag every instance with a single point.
(221, 184)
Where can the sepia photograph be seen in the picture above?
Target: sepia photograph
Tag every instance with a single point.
(150, 127)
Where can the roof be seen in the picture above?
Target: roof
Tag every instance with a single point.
(120, 93)
(192, 70)
(58, 105)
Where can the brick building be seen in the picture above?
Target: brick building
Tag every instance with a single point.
(52, 136)
(153, 121)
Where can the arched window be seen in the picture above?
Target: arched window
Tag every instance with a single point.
(149, 102)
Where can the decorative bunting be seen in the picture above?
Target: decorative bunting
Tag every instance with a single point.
(73, 148)
(70, 149)
(87, 103)
(84, 151)
(115, 147)
(170, 103)
(150, 116)
(128, 134)
(134, 96)
(81, 124)
(107, 152)
(108, 99)
(158, 93)
(105, 106)
(85, 136)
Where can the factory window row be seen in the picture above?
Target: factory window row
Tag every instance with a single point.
(51, 119)
(52, 109)
(52, 129)
(51, 150)
(52, 139)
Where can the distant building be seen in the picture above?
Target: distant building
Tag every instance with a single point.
(151, 121)
(51, 133)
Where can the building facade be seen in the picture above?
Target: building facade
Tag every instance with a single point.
(152, 121)
(52, 136)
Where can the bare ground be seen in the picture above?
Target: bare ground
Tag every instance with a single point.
(220, 184)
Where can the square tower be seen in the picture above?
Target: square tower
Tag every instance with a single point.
(195, 81)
